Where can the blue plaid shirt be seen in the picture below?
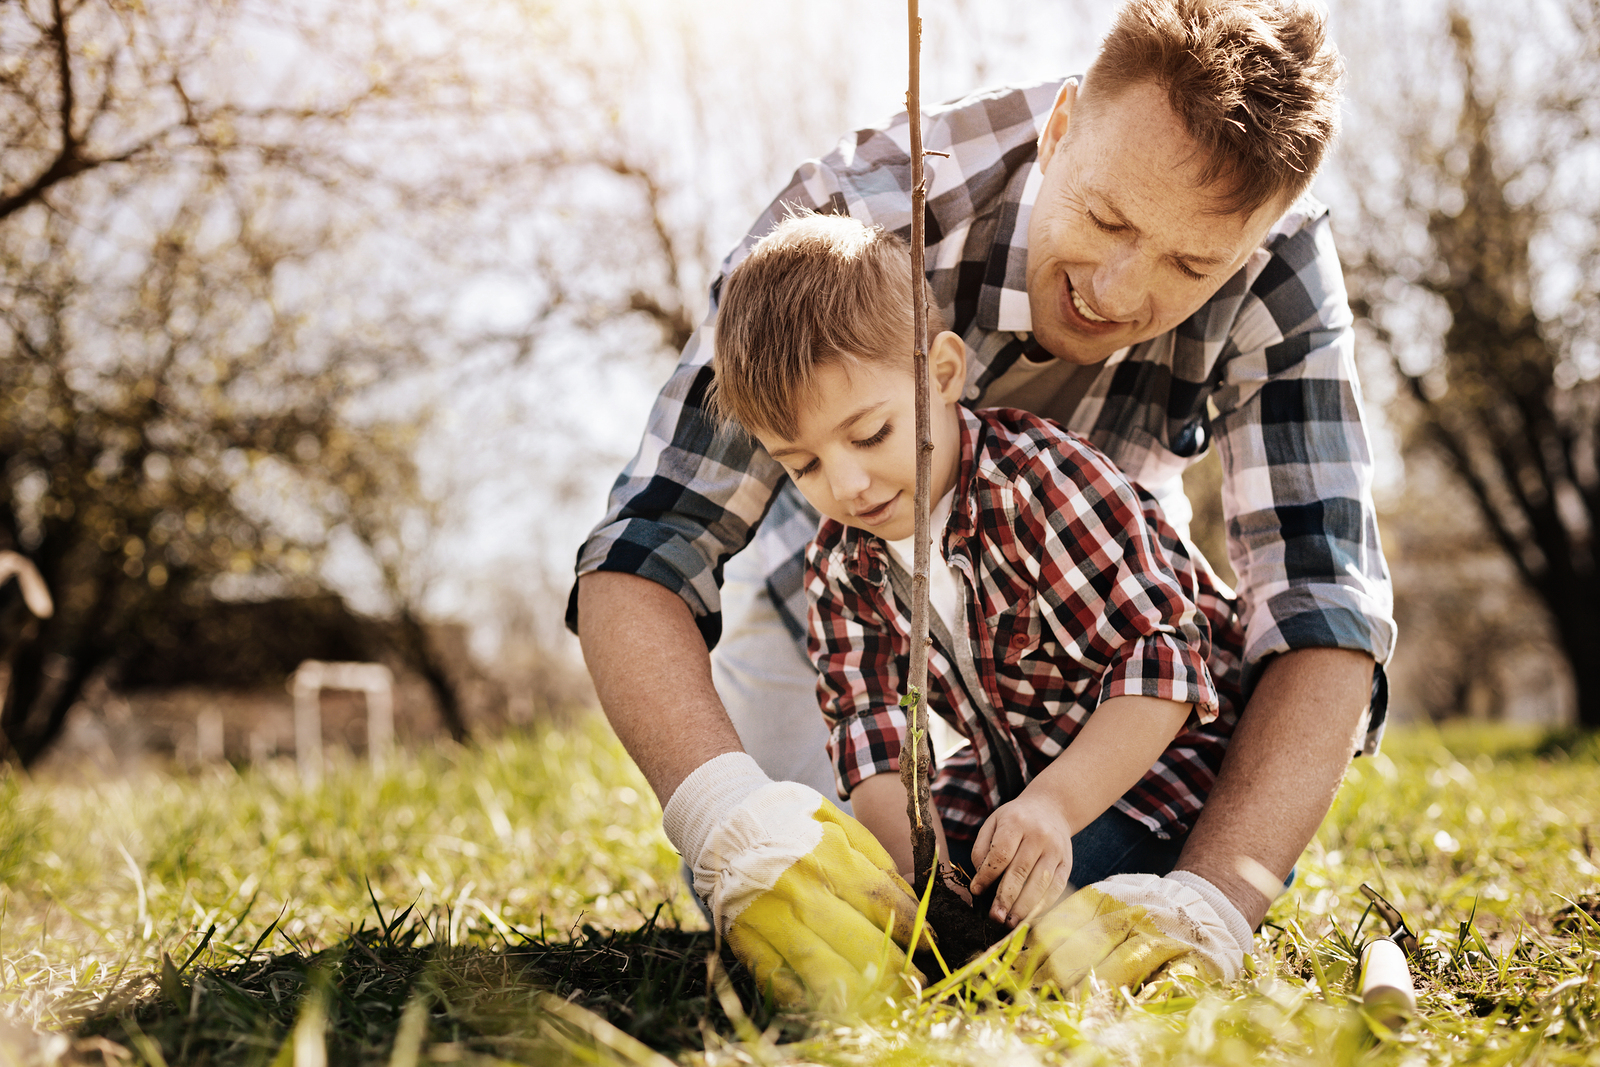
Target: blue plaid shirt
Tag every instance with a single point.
(1264, 371)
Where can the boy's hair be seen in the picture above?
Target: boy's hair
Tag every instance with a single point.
(817, 290)
(1255, 83)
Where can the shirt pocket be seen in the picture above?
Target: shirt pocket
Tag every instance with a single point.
(1015, 631)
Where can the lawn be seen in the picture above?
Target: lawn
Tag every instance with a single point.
(517, 903)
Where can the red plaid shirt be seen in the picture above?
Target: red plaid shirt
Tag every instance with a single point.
(1077, 591)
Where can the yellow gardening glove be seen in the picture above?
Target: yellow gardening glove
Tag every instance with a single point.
(1128, 927)
(802, 892)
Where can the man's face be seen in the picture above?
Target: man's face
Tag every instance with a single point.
(1123, 244)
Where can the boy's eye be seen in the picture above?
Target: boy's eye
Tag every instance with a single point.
(877, 438)
(809, 468)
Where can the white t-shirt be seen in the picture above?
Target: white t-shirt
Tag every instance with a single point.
(942, 597)
(943, 600)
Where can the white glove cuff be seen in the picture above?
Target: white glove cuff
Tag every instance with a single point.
(705, 798)
(1237, 927)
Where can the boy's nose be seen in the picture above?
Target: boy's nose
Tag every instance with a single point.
(848, 481)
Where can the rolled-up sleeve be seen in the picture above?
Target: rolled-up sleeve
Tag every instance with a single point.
(860, 667)
(1112, 598)
(1297, 465)
(691, 496)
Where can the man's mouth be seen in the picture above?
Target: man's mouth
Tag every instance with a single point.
(1082, 307)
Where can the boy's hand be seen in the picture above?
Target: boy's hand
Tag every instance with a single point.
(1027, 845)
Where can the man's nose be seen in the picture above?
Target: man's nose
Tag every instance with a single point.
(1121, 284)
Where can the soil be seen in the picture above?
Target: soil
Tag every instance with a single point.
(962, 930)
(1567, 919)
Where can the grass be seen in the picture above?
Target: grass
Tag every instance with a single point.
(517, 903)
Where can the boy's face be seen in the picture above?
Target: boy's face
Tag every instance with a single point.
(853, 455)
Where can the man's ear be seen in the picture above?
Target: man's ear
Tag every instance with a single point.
(947, 365)
(1055, 126)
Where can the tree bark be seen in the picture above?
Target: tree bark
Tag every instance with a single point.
(1577, 619)
(916, 767)
(420, 654)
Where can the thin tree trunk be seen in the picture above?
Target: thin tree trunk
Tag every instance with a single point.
(916, 766)
(43, 688)
(421, 655)
(1578, 625)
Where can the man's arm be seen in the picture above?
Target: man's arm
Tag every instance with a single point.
(1277, 782)
(653, 676)
(809, 937)
(1303, 538)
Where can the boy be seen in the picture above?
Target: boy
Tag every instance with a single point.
(1057, 587)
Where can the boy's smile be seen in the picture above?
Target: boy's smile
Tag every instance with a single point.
(853, 455)
(877, 515)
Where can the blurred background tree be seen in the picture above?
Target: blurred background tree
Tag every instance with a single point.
(299, 296)
(1473, 266)
(177, 404)
(373, 298)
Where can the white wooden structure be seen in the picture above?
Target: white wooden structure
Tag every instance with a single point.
(35, 593)
(307, 684)
(209, 735)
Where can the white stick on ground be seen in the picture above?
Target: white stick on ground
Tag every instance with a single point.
(1386, 989)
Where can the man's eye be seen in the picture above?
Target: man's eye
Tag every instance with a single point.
(1189, 272)
(1102, 224)
(877, 438)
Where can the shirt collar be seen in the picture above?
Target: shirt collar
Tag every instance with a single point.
(964, 508)
(1005, 307)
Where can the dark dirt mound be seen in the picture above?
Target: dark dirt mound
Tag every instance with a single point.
(962, 930)
(1568, 918)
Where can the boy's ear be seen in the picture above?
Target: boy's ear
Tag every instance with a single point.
(947, 364)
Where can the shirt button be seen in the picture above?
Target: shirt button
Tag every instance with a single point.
(971, 393)
(1019, 640)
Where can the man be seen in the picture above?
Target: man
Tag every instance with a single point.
(1136, 258)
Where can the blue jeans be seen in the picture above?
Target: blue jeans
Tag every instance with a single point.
(1113, 844)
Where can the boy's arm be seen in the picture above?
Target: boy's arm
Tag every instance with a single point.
(1117, 745)
(852, 640)
(879, 804)
(1025, 842)
(1115, 605)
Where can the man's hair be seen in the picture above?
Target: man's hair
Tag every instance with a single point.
(1255, 83)
(817, 290)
